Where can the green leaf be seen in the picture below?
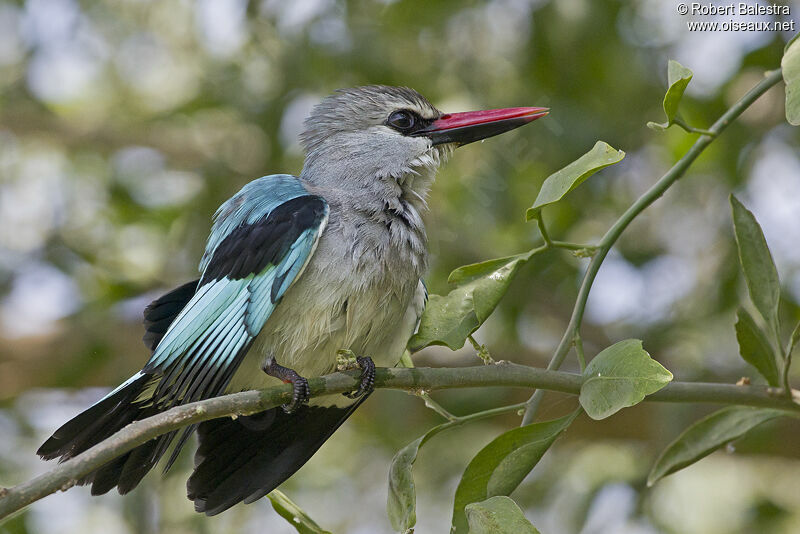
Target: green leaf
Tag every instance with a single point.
(678, 77)
(620, 376)
(790, 65)
(562, 182)
(295, 515)
(401, 504)
(755, 348)
(405, 360)
(497, 515)
(500, 466)
(707, 435)
(760, 273)
(790, 42)
(450, 319)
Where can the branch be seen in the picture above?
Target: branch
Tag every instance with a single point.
(650, 196)
(66, 475)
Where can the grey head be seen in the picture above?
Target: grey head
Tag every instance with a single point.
(358, 138)
(387, 141)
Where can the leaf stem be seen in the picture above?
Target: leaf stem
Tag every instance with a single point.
(549, 243)
(578, 341)
(482, 351)
(787, 360)
(543, 230)
(435, 406)
(692, 129)
(573, 246)
(485, 414)
(650, 196)
(787, 387)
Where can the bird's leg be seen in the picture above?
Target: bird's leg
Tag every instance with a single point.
(289, 376)
(367, 378)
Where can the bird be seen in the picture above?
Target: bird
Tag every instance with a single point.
(295, 269)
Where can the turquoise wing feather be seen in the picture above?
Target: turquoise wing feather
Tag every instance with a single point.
(261, 240)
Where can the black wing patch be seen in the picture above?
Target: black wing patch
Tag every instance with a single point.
(160, 313)
(250, 248)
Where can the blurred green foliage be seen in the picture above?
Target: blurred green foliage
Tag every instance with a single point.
(124, 124)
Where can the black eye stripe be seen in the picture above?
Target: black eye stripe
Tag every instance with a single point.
(406, 121)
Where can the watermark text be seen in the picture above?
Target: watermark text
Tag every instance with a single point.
(741, 9)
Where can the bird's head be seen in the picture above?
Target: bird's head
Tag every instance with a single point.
(393, 135)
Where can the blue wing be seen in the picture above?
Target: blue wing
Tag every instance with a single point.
(261, 240)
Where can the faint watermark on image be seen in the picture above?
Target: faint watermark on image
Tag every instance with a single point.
(736, 17)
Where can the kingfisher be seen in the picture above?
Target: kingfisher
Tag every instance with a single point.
(296, 269)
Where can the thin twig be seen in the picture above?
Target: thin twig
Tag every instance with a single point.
(65, 475)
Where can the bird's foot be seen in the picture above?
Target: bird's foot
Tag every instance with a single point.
(289, 376)
(367, 378)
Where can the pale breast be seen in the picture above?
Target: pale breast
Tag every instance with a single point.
(352, 295)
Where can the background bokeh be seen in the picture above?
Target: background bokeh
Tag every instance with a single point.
(125, 123)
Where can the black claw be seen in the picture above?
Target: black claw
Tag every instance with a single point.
(300, 396)
(301, 391)
(367, 384)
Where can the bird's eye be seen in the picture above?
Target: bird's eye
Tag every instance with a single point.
(403, 121)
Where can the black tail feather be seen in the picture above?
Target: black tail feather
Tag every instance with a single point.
(139, 462)
(99, 422)
(243, 459)
(94, 424)
(116, 411)
(104, 479)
